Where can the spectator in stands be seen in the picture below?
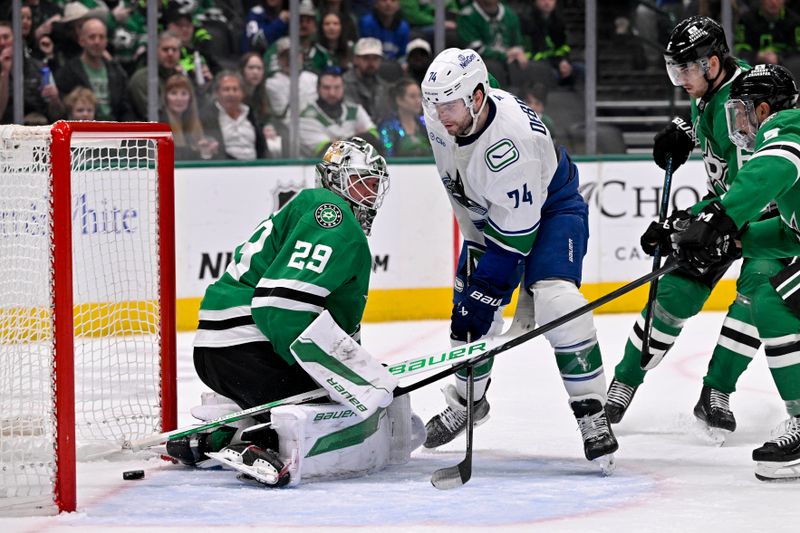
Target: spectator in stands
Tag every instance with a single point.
(535, 96)
(194, 45)
(80, 104)
(127, 33)
(331, 118)
(232, 123)
(770, 34)
(403, 134)
(251, 67)
(279, 83)
(386, 23)
(41, 101)
(43, 14)
(419, 57)
(334, 41)
(266, 22)
(315, 57)
(345, 12)
(180, 112)
(421, 17)
(547, 33)
(493, 30)
(65, 32)
(106, 78)
(168, 54)
(362, 83)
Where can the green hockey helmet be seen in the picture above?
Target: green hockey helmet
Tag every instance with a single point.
(772, 84)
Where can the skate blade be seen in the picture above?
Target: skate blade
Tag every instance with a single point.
(262, 476)
(607, 464)
(775, 471)
(710, 435)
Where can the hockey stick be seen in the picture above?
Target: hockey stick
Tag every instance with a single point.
(451, 477)
(646, 357)
(525, 337)
(402, 369)
(475, 352)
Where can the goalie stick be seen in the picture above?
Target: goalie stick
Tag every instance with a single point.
(401, 369)
(474, 352)
(646, 357)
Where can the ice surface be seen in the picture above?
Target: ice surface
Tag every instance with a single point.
(529, 471)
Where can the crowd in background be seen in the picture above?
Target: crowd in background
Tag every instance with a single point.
(223, 66)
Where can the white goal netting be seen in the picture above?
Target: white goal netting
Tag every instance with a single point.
(116, 305)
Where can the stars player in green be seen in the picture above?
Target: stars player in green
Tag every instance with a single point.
(762, 118)
(697, 58)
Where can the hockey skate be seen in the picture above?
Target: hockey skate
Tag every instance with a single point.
(255, 464)
(713, 411)
(779, 458)
(192, 450)
(619, 399)
(599, 442)
(452, 422)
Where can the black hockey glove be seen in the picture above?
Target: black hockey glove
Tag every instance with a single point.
(709, 239)
(474, 313)
(677, 140)
(659, 234)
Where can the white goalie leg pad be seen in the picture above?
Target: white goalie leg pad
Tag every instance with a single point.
(328, 441)
(554, 298)
(213, 405)
(345, 369)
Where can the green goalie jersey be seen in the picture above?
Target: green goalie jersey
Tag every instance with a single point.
(309, 256)
(770, 174)
(721, 157)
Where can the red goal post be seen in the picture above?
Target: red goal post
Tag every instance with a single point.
(87, 300)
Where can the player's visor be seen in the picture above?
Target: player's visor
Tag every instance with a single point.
(445, 111)
(742, 123)
(682, 73)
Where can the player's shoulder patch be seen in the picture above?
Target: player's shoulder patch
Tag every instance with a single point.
(328, 215)
(501, 154)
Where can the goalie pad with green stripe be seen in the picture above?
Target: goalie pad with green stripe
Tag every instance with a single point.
(343, 367)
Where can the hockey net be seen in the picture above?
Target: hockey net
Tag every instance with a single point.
(87, 333)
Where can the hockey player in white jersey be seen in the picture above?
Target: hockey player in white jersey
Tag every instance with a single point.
(515, 195)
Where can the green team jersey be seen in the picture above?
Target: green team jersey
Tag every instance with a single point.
(721, 157)
(770, 174)
(309, 256)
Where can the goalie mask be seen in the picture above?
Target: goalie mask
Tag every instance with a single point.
(451, 81)
(356, 172)
(690, 44)
(770, 84)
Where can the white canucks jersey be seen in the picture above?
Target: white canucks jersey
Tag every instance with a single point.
(498, 178)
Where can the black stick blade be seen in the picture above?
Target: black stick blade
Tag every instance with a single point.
(453, 477)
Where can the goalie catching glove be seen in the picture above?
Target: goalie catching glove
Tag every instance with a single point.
(473, 313)
(676, 140)
(710, 238)
(659, 234)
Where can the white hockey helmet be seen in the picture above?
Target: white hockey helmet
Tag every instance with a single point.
(356, 172)
(454, 75)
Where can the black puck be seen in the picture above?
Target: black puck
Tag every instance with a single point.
(133, 474)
